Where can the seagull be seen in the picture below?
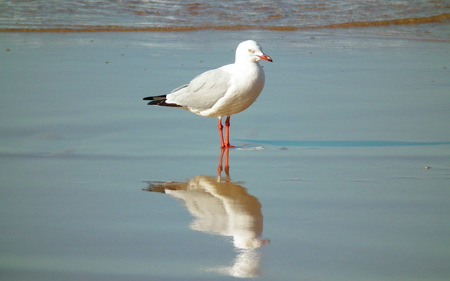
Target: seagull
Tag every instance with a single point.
(223, 91)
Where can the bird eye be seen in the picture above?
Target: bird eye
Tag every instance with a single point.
(251, 51)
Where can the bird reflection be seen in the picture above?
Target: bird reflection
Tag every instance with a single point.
(223, 207)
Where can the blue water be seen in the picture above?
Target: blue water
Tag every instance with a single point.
(341, 170)
(351, 143)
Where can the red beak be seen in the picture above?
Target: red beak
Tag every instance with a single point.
(266, 57)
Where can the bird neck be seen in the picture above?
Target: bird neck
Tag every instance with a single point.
(246, 62)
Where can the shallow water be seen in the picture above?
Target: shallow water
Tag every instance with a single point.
(141, 13)
(79, 148)
(405, 18)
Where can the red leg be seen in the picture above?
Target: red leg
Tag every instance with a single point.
(223, 150)
(227, 132)
(219, 167)
(220, 127)
(227, 163)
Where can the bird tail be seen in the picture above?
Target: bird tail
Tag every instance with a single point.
(160, 101)
(162, 187)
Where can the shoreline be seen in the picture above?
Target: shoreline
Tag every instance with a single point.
(346, 25)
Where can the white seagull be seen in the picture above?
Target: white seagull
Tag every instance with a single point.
(223, 91)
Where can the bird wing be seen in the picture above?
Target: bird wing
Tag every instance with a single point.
(203, 91)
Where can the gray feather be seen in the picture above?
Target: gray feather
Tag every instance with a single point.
(203, 91)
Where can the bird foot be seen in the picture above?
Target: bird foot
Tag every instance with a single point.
(227, 145)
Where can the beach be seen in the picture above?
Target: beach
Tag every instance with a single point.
(343, 162)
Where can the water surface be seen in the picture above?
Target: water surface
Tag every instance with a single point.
(412, 18)
(78, 148)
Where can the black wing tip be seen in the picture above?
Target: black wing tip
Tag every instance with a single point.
(156, 102)
(163, 103)
(156, 98)
(160, 101)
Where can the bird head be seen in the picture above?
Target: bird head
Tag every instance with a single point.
(250, 51)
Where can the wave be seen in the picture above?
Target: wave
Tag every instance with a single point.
(113, 28)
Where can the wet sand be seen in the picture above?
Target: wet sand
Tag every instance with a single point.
(343, 163)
